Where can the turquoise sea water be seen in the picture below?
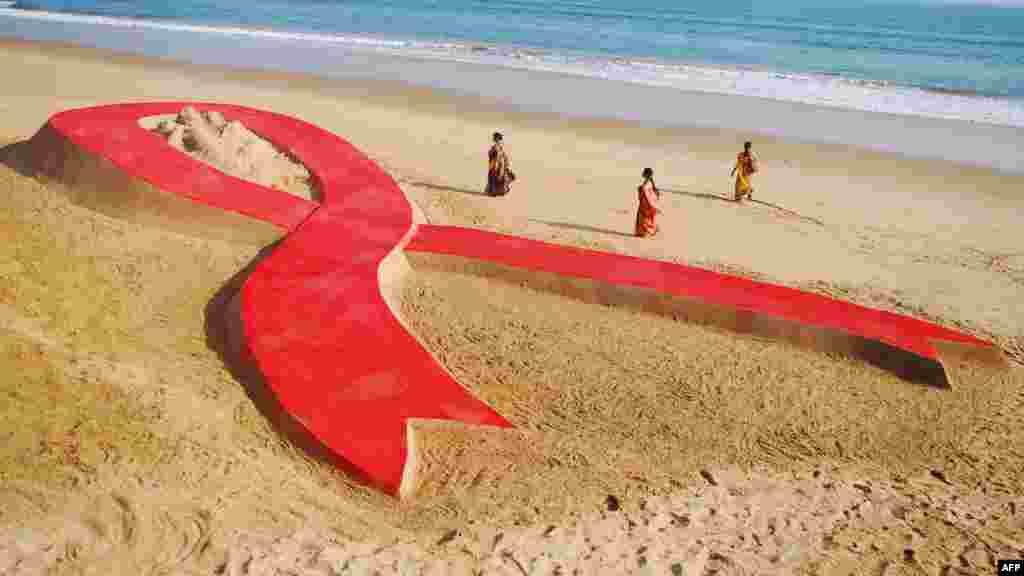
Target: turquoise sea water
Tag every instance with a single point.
(927, 57)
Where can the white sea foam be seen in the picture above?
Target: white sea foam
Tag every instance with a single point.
(119, 22)
(804, 88)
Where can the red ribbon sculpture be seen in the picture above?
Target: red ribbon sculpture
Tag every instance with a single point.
(325, 340)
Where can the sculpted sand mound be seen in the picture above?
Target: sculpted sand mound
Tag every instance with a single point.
(93, 181)
(232, 148)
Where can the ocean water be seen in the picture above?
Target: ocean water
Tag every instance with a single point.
(958, 59)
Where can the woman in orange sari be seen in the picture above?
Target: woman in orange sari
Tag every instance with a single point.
(648, 209)
(746, 166)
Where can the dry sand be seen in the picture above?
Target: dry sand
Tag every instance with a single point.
(130, 446)
(232, 148)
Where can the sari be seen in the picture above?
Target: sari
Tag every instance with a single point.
(648, 209)
(499, 176)
(745, 168)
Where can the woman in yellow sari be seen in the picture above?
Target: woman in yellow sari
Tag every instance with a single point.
(648, 209)
(746, 166)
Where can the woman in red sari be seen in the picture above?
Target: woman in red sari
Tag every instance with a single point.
(648, 209)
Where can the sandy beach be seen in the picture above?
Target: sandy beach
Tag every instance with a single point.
(660, 447)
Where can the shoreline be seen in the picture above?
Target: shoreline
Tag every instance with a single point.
(966, 141)
(421, 44)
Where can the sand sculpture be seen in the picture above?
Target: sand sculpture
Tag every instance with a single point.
(316, 315)
(232, 148)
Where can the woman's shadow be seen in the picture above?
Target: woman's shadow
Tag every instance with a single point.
(224, 333)
(583, 228)
(700, 195)
(443, 188)
(709, 196)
